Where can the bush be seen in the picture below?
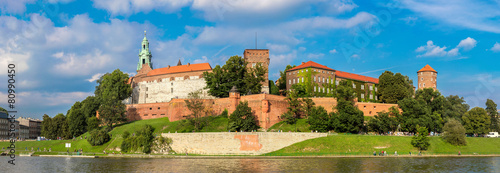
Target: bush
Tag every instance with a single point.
(242, 119)
(421, 141)
(143, 139)
(225, 113)
(454, 132)
(319, 119)
(98, 137)
(93, 123)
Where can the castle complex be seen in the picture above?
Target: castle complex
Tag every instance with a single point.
(161, 92)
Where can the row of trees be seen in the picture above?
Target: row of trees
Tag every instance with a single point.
(109, 93)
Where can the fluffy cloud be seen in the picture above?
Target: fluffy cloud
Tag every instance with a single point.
(127, 7)
(467, 44)
(278, 48)
(95, 77)
(75, 65)
(482, 16)
(431, 50)
(278, 61)
(496, 47)
(14, 6)
(333, 51)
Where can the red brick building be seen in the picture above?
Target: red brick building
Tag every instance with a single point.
(325, 79)
(259, 56)
(427, 78)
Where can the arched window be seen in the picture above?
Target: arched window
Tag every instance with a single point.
(186, 77)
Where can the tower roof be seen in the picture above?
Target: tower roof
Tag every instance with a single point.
(179, 63)
(427, 68)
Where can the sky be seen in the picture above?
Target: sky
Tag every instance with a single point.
(61, 47)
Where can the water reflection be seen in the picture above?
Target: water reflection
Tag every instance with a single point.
(382, 164)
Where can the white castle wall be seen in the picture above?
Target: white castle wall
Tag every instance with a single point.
(164, 90)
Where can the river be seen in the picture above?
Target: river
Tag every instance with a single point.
(193, 164)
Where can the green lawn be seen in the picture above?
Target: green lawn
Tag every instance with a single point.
(365, 145)
(300, 126)
(161, 125)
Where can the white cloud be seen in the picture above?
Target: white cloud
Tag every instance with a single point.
(496, 47)
(315, 55)
(339, 6)
(95, 77)
(333, 51)
(203, 59)
(14, 6)
(467, 44)
(281, 60)
(355, 56)
(477, 15)
(75, 65)
(46, 98)
(127, 7)
(278, 48)
(431, 50)
(20, 60)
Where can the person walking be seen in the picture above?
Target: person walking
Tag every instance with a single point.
(395, 153)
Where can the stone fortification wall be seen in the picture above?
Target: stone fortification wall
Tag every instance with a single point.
(225, 143)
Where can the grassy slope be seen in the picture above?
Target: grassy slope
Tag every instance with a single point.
(365, 145)
(301, 125)
(218, 124)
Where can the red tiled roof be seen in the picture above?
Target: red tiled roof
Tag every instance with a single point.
(356, 77)
(427, 68)
(310, 64)
(180, 69)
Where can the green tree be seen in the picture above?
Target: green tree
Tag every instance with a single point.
(394, 87)
(144, 139)
(455, 107)
(319, 119)
(76, 120)
(282, 80)
(308, 105)
(273, 89)
(113, 86)
(3, 110)
(295, 109)
(89, 106)
(61, 124)
(476, 121)
(349, 118)
(93, 123)
(112, 111)
(417, 112)
(242, 119)
(491, 108)
(421, 141)
(98, 137)
(454, 132)
(49, 129)
(234, 73)
(383, 122)
(195, 105)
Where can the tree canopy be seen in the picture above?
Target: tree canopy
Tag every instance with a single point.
(282, 80)
(234, 73)
(242, 119)
(476, 121)
(394, 87)
(454, 132)
(491, 109)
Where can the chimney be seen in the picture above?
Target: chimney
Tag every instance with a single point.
(188, 64)
(168, 66)
(303, 62)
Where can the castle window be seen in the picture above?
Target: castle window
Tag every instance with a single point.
(374, 107)
(337, 82)
(171, 90)
(376, 98)
(306, 70)
(146, 95)
(158, 108)
(143, 61)
(375, 89)
(302, 79)
(147, 88)
(362, 87)
(150, 108)
(353, 85)
(314, 69)
(422, 79)
(293, 81)
(289, 81)
(371, 87)
(153, 114)
(314, 78)
(424, 84)
(172, 84)
(362, 96)
(145, 115)
(323, 79)
(314, 88)
(371, 96)
(253, 65)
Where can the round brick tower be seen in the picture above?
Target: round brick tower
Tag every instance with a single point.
(427, 78)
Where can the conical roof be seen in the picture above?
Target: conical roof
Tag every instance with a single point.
(179, 63)
(427, 68)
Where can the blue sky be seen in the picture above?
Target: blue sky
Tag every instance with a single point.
(60, 47)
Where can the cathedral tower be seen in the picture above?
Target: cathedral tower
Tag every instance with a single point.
(255, 56)
(145, 54)
(427, 77)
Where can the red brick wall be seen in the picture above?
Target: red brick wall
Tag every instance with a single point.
(267, 108)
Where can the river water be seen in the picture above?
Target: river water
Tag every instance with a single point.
(388, 164)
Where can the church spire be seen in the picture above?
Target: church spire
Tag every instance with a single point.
(179, 63)
(145, 54)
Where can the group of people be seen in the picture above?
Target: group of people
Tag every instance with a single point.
(384, 153)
